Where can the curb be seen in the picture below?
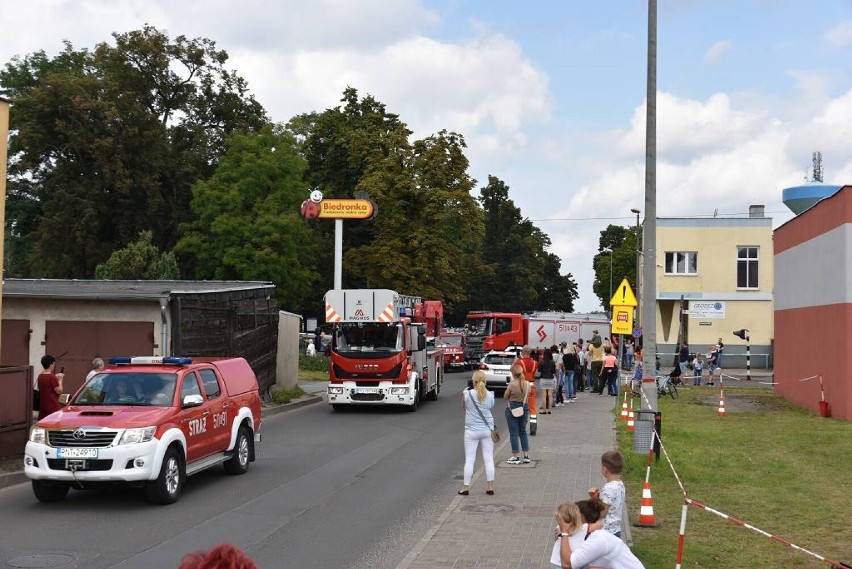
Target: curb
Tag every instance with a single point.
(18, 477)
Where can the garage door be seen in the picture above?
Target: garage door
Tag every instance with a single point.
(15, 343)
(75, 344)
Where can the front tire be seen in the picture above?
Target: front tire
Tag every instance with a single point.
(239, 463)
(166, 488)
(416, 404)
(49, 493)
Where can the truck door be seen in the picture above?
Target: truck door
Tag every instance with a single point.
(195, 422)
(221, 410)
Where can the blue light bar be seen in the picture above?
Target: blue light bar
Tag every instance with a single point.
(151, 360)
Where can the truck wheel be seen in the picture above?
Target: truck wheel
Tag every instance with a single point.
(49, 493)
(166, 488)
(239, 463)
(433, 395)
(414, 406)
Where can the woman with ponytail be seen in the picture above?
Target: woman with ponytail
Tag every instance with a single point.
(580, 542)
(478, 424)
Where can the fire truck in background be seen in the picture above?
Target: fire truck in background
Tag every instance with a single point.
(378, 349)
(486, 331)
(431, 314)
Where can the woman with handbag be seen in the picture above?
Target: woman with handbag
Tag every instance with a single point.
(479, 427)
(517, 414)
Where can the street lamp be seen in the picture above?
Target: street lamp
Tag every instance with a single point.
(638, 287)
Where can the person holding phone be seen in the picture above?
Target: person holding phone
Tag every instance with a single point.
(49, 387)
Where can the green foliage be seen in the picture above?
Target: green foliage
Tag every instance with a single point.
(318, 363)
(519, 273)
(767, 462)
(247, 224)
(283, 396)
(107, 143)
(140, 260)
(623, 242)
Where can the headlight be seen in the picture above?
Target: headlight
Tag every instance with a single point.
(142, 435)
(335, 390)
(398, 390)
(38, 435)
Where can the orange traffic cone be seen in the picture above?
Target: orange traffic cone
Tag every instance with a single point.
(624, 407)
(721, 405)
(646, 510)
(630, 416)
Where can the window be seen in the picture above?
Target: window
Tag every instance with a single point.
(681, 263)
(211, 384)
(747, 267)
(189, 387)
(504, 325)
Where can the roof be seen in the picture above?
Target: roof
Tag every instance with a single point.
(120, 290)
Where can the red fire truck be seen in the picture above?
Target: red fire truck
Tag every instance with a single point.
(486, 331)
(378, 350)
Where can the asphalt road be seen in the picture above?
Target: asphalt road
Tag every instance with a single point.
(352, 489)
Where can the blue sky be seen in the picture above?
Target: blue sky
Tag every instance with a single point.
(549, 94)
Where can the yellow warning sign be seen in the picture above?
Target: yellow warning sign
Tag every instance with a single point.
(623, 295)
(622, 320)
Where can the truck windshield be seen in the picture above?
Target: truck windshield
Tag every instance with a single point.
(448, 341)
(368, 337)
(479, 326)
(128, 388)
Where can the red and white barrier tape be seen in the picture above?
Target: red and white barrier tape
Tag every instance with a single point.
(738, 379)
(690, 501)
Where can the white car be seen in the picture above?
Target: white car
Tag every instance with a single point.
(496, 366)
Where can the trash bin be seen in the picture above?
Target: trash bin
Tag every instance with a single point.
(647, 421)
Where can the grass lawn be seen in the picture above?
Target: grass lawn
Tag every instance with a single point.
(766, 462)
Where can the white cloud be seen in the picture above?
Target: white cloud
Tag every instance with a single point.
(840, 35)
(716, 51)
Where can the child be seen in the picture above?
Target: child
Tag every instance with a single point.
(560, 384)
(612, 493)
(698, 365)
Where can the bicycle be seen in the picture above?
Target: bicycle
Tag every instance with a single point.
(667, 387)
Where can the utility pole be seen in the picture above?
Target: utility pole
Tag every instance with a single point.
(649, 238)
(638, 318)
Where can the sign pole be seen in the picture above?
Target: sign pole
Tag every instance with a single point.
(338, 254)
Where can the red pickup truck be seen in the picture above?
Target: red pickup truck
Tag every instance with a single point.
(147, 421)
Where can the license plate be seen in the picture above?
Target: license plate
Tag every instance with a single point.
(76, 453)
(366, 390)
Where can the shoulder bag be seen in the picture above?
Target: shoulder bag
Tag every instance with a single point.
(519, 411)
(495, 434)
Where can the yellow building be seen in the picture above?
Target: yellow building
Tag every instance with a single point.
(714, 276)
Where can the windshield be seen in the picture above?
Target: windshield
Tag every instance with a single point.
(131, 388)
(449, 341)
(478, 326)
(499, 359)
(364, 337)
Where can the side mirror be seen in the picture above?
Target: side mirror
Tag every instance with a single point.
(421, 342)
(192, 401)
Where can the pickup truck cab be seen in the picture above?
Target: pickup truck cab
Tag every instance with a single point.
(148, 421)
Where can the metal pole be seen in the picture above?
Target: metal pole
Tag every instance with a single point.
(338, 254)
(748, 356)
(649, 238)
(610, 279)
(638, 314)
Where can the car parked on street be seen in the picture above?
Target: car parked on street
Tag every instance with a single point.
(496, 365)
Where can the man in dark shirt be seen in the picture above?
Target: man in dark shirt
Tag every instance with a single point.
(49, 387)
(683, 359)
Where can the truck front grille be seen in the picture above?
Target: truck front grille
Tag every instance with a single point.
(88, 464)
(368, 396)
(85, 438)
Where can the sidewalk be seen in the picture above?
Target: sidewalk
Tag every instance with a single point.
(514, 528)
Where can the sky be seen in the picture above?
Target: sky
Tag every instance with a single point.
(549, 95)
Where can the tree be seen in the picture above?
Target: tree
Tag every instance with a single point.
(140, 260)
(108, 143)
(520, 274)
(358, 146)
(622, 241)
(428, 236)
(247, 224)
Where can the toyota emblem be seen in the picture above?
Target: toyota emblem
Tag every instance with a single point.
(79, 434)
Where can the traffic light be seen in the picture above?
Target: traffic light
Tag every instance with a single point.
(742, 334)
